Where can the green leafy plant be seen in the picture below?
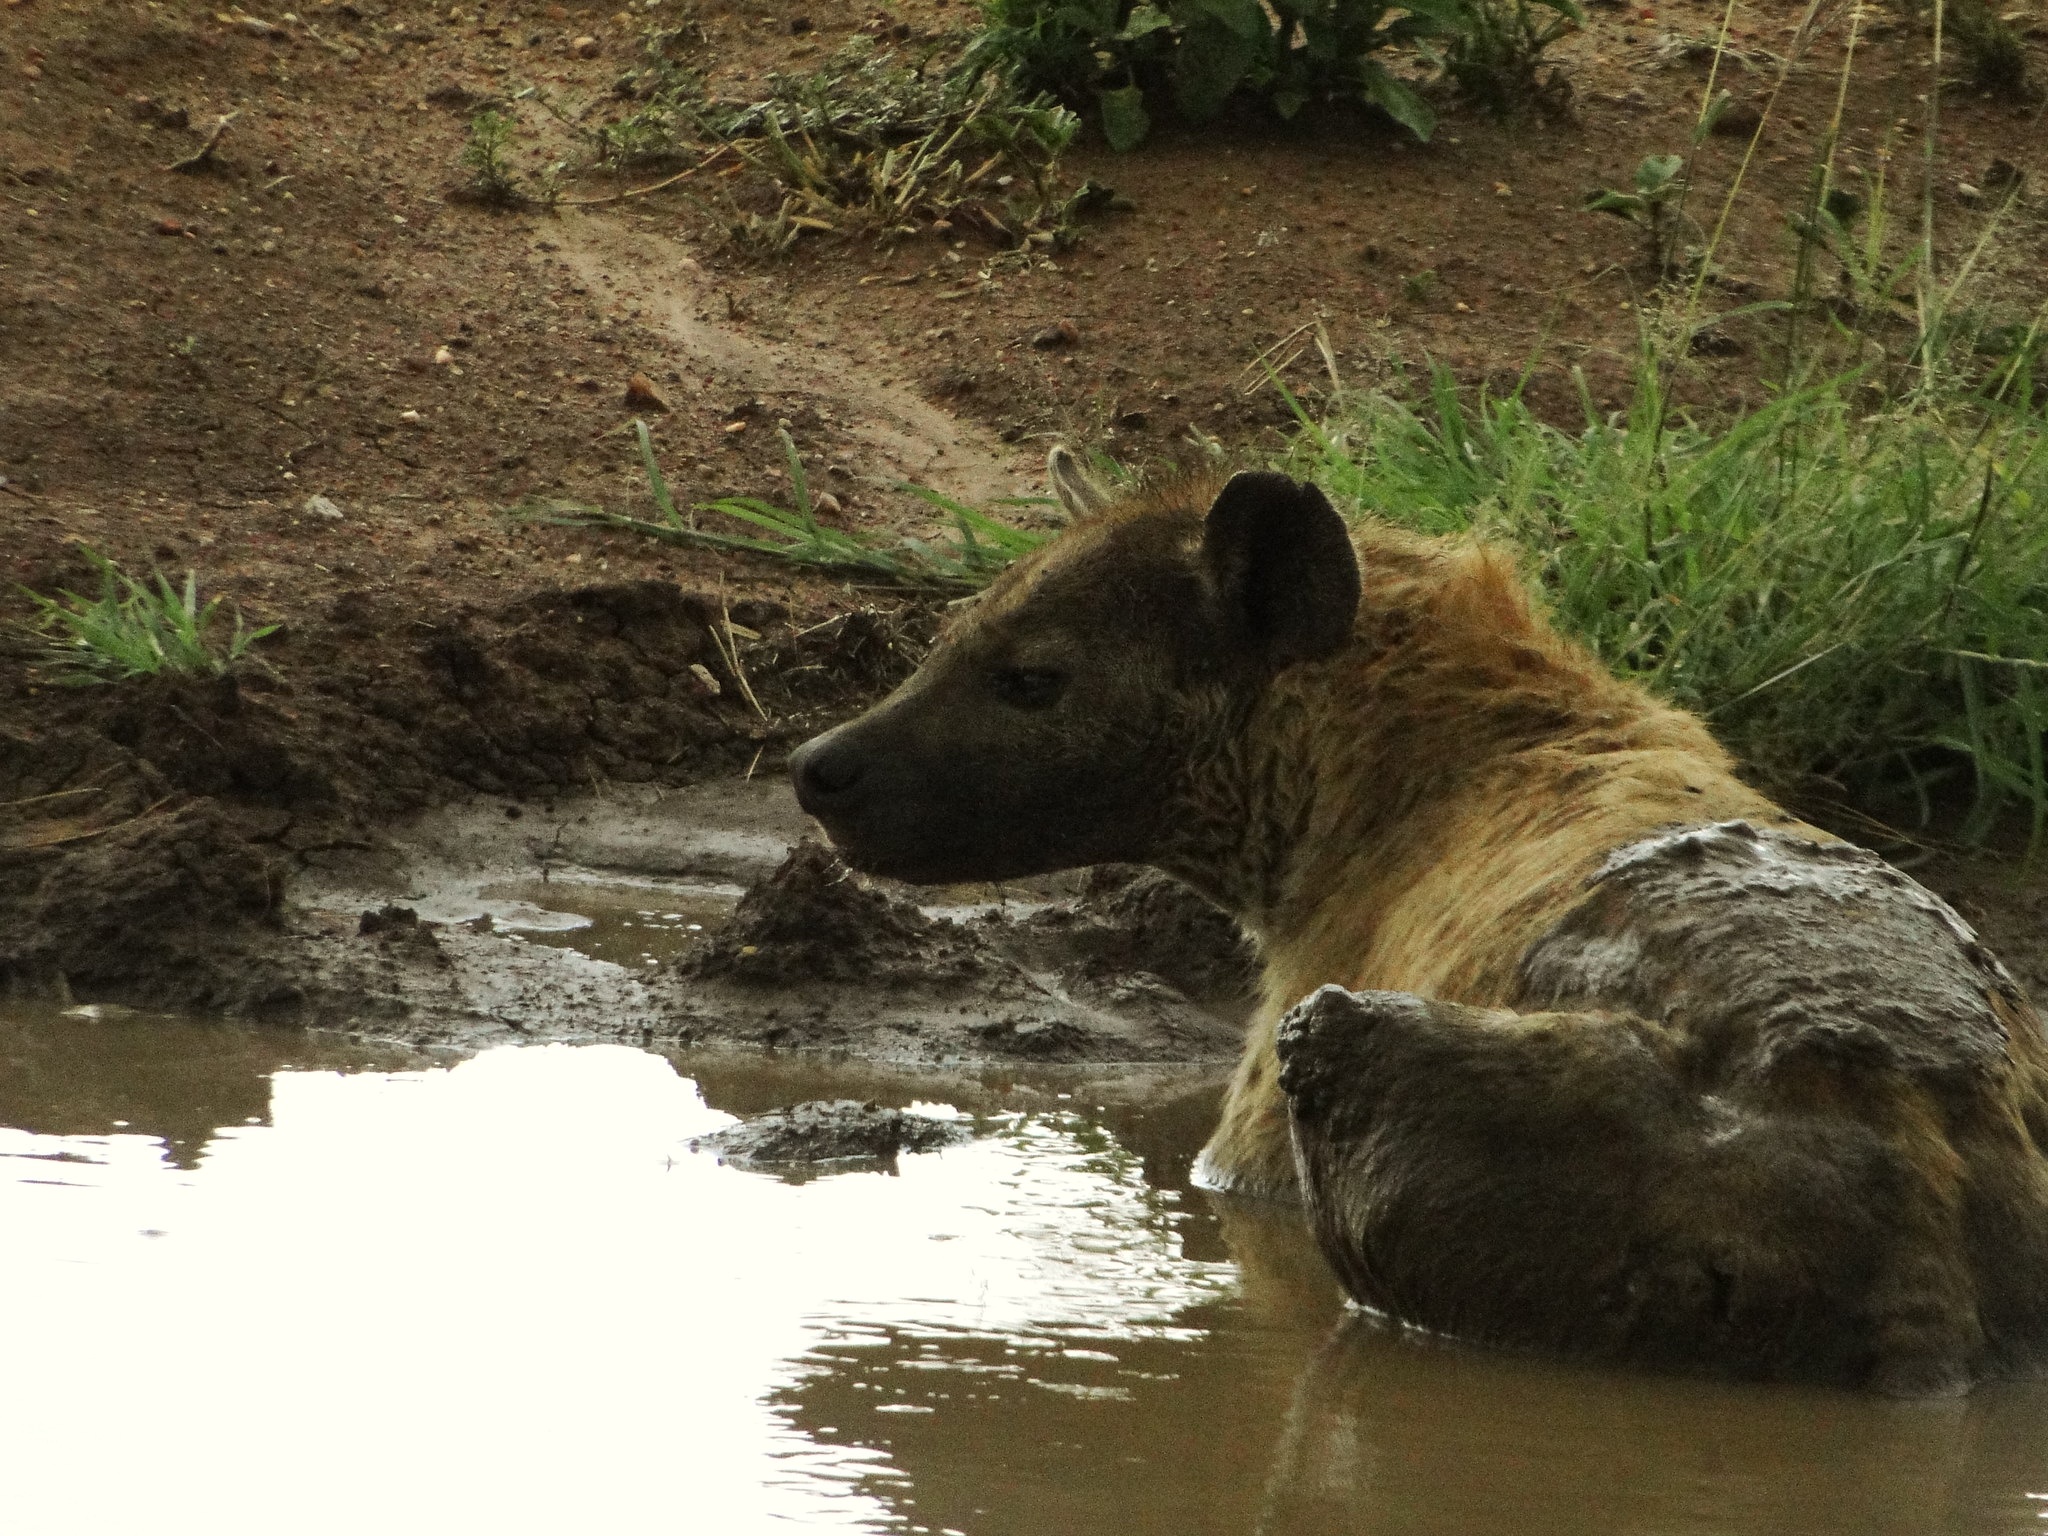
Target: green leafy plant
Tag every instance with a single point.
(133, 629)
(1652, 204)
(1493, 54)
(1126, 59)
(486, 156)
(978, 550)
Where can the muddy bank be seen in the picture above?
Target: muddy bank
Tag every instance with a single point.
(703, 918)
(149, 830)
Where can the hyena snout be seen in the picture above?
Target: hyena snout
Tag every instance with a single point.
(831, 775)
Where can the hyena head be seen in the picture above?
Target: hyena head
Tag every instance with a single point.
(1060, 717)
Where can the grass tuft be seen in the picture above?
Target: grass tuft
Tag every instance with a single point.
(977, 552)
(1493, 55)
(134, 629)
(1856, 603)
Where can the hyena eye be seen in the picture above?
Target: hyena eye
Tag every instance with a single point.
(1028, 687)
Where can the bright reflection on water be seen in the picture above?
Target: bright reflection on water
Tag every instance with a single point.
(502, 1295)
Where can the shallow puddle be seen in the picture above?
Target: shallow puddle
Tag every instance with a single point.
(630, 923)
(266, 1283)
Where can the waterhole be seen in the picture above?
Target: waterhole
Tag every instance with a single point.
(260, 1282)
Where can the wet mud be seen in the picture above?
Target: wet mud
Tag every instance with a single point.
(711, 917)
(830, 1136)
(150, 831)
(816, 956)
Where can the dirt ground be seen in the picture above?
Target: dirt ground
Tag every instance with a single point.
(190, 355)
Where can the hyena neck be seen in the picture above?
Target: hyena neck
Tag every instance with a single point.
(1234, 830)
(1430, 730)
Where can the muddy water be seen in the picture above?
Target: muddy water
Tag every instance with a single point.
(261, 1283)
(626, 922)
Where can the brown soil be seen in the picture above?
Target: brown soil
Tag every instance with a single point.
(191, 355)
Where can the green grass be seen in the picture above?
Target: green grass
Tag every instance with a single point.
(134, 629)
(976, 552)
(1849, 598)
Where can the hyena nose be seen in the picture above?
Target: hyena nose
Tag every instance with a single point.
(826, 771)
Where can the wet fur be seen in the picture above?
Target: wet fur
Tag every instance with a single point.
(1405, 813)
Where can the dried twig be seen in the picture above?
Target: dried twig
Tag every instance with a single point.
(193, 164)
(55, 794)
(57, 834)
(619, 197)
(729, 653)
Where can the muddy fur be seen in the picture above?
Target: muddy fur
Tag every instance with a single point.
(1712, 1121)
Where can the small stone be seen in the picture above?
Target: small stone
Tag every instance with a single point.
(704, 678)
(825, 504)
(1061, 333)
(443, 357)
(1969, 193)
(585, 47)
(323, 506)
(641, 395)
(169, 227)
(412, 418)
(734, 428)
(1739, 120)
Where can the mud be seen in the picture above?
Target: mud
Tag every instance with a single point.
(191, 355)
(702, 917)
(818, 957)
(148, 833)
(806, 1140)
(1902, 984)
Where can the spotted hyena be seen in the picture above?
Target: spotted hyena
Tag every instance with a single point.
(1569, 1038)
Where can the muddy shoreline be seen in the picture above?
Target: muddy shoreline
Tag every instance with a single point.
(407, 849)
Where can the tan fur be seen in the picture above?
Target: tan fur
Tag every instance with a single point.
(1455, 775)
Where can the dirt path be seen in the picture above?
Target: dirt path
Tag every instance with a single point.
(891, 429)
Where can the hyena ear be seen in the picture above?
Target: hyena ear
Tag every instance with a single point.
(1283, 564)
(1078, 493)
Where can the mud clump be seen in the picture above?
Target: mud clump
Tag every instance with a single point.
(814, 920)
(1135, 928)
(399, 930)
(796, 1140)
(817, 958)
